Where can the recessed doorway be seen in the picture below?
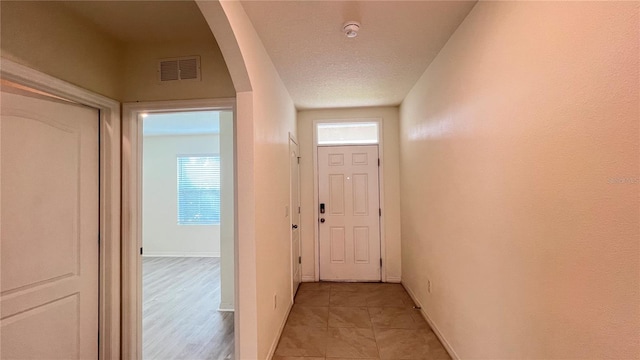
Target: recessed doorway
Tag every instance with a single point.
(182, 300)
(349, 183)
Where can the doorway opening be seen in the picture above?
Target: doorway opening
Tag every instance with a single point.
(187, 310)
(182, 230)
(348, 196)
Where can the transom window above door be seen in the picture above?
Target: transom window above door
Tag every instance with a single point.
(347, 133)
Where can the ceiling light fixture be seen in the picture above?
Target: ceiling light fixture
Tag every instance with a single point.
(351, 29)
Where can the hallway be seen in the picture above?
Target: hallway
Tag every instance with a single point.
(356, 321)
(508, 179)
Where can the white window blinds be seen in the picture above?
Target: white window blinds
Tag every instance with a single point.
(199, 190)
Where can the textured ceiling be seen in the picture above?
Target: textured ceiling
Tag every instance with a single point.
(144, 21)
(322, 68)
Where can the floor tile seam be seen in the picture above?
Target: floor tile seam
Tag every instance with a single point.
(308, 306)
(415, 322)
(395, 328)
(376, 340)
(310, 326)
(350, 327)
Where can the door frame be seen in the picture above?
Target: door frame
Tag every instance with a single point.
(132, 213)
(293, 139)
(316, 194)
(109, 238)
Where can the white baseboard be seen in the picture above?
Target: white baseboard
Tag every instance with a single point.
(394, 279)
(272, 350)
(433, 326)
(181, 254)
(226, 307)
(308, 278)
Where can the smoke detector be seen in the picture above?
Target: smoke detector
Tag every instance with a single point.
(351, 28)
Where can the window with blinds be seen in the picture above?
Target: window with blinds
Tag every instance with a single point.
(199, 190)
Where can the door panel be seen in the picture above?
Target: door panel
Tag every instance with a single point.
(337, 244)
(350, 234)
(49, 235)
(336, 194)
(361, 245)
(360, 195)
(294, 169)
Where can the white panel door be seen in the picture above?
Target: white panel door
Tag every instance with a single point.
(296, 273)
(49, 235)
(349, 228)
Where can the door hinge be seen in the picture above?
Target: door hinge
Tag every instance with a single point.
(379, 211)
(299, 259)
(378, 161)
(298, 159)
(298, 209)
(380, 262)
(140, 251)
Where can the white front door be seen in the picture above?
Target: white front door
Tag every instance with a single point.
(349, 224)
(49, 236)
(295, 216)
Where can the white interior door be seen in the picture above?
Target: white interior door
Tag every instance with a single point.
(296, 273)
(349, 228)
(49, 235)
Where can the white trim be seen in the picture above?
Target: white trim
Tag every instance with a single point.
(274, 344)
(226, 307)
(316, 240)
(308, 278)
(433, 325)
(181, 254)
(394, 279)
(132, 211)
(109, 316)
(292, 136)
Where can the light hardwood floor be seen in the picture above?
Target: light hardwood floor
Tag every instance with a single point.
(180, 310)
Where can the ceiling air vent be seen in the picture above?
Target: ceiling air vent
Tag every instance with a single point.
(183, 68)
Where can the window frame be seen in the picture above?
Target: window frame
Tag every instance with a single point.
(345, 123)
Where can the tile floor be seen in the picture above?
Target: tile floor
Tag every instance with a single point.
(356, 321)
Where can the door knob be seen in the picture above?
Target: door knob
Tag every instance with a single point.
(294, 226)
(322, 220)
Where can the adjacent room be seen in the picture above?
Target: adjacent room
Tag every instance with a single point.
(186, 310)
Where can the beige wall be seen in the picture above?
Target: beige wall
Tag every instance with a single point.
(265, 116)
(161, 234)
(520, 180)
(140, 76)
(61, 44)
(47, 37)
(391, 166)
